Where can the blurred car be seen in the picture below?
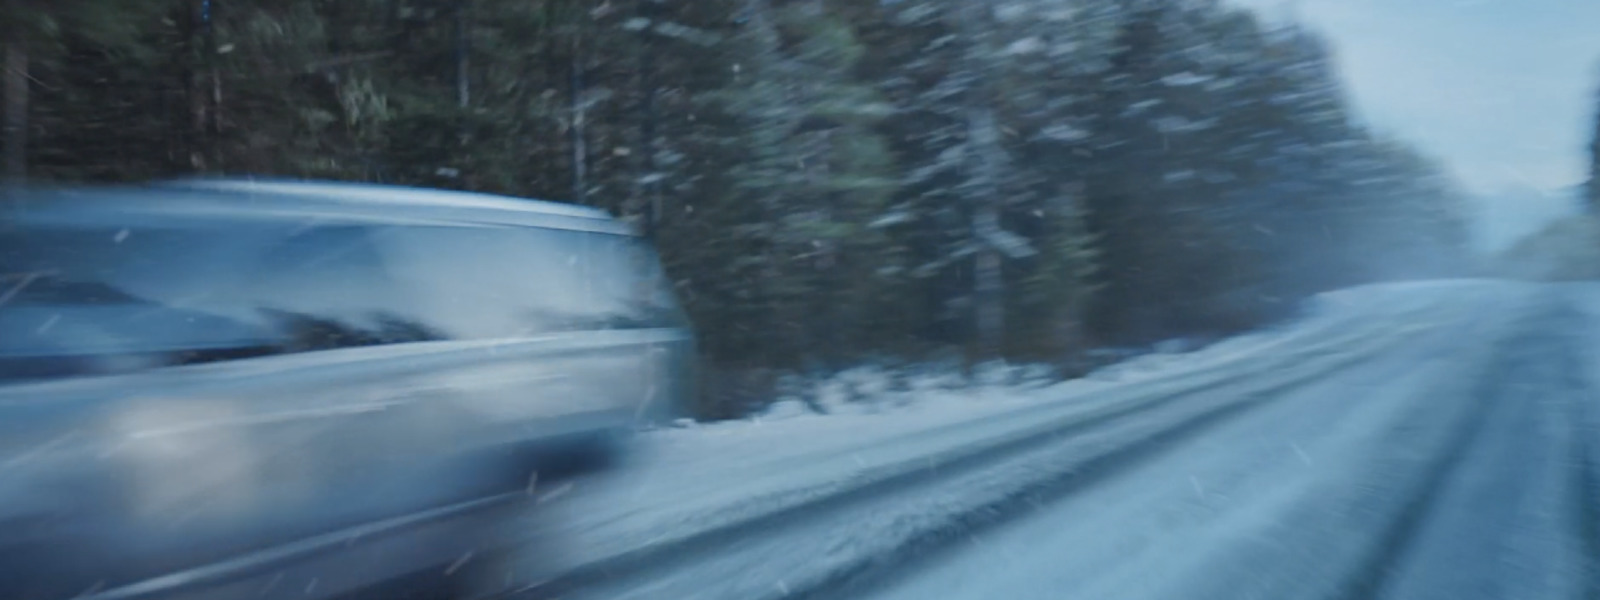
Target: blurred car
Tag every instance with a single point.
(223, 388)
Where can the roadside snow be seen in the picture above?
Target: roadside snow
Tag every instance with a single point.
(876, 389)
(689, 479)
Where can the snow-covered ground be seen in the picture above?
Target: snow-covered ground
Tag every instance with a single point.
(1425, 475)
(689, 490)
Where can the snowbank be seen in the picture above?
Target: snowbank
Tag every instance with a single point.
(683, 480)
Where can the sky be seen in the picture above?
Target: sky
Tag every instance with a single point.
(1502, 91)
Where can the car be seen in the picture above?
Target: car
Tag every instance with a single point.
(259, 388)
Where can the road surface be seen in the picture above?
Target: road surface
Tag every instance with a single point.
(1413, 441)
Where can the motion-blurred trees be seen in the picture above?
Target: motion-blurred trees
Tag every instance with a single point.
(42, 33)
(828, 180)
(1591, 188)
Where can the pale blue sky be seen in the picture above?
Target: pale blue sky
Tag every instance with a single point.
(1502, 90)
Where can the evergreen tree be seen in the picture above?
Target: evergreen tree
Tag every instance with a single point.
(827, 181)
(1591, 188)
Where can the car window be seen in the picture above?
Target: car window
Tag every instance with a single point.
(507, 282)
(193, 293)
(99, 291)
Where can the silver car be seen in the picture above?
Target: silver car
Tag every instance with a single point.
(256, 389)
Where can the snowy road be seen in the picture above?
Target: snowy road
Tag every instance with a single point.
(1411, 441)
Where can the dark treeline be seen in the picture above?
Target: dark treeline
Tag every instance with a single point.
(1591, 187)
(828, 180)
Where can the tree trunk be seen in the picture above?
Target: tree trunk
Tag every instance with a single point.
(463, 81)
(16, 119)
(196, 88)
(1592, 188)
(214, 108)
(985, 160)
(989, 288)
(646, 188)
(580, 143)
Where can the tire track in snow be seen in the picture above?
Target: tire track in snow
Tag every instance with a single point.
(1499, 524)
(1539, 338)
(1584, 465)
(1147, 532)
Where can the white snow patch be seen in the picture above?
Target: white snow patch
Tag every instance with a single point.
(1064, 133)
(1185, 79)
(1028, 45)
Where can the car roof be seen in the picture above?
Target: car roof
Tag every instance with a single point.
(256, 198)
(380, 194)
